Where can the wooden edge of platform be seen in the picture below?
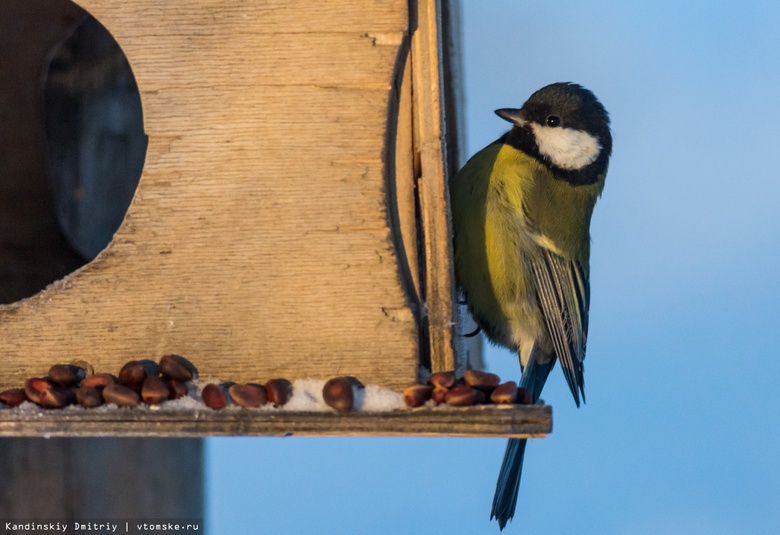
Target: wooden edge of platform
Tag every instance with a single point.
(516, 421)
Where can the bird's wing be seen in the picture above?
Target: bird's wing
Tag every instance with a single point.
(563, 293)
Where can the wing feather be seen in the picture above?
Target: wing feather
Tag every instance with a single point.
(563, 293)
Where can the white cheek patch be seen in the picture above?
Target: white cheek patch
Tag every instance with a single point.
(565, 147)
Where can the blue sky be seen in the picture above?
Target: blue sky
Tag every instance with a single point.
(681, 431)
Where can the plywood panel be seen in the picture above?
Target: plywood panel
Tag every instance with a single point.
(258, 243)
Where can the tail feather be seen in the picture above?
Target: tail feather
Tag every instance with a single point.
(508, 484)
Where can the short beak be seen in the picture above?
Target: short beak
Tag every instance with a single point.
(512, 115)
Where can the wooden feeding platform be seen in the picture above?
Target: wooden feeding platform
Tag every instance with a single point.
(531, 421)
(291, 219)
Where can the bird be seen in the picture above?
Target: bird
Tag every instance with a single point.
(521, 211)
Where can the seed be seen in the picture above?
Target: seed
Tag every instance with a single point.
(505, 394)
(482, 380)
(214, 397)
(339, 393)
(442, 379)
(251, 396)
(53, 397)
(66, 374)
(177, 367)
(279, 391)
(89, 397)
(121, 395)
(13, 397)
(33, 388)
(99, 380)
(132, 375)
(417, 394)
(463, 396)
(154, 390)
(84, 365)
(439, 395)
(151, 368)
(176, 389)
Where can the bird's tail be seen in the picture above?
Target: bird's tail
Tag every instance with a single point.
(508, 484)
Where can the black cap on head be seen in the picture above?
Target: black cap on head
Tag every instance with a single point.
(577, 108)
(568, 106)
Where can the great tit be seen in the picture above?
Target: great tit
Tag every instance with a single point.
(521, 211)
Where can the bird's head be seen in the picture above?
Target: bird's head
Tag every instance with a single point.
(566, 127)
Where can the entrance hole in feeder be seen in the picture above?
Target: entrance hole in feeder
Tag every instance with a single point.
(74, 143)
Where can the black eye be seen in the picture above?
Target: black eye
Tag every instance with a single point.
(553, 120)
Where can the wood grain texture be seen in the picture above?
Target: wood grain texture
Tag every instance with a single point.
(259, 241)
(432, 185)
(483, 421)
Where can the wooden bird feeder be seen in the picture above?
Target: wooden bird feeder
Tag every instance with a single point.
(290, 221)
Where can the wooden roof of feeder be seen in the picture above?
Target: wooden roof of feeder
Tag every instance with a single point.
(291, 219)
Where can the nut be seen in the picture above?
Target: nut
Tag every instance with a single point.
(505, 393)
(176, 389)
(524, 397)
(121, 395)
(417, 394)
(439, 395)
(177, 367)
(151, 368)
(84, 365)
(66, 374)
(54, 397)
(251, 396)
(33, 388)
(463, 396)
(214, 397)
(13, 397)
(132, 375)
(442, 379)
(99, 380)
(279, 391)
(339, 393)
(89, 397)
(482, 380)
(154, 390)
